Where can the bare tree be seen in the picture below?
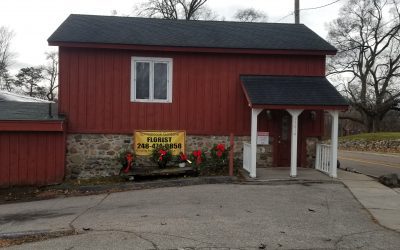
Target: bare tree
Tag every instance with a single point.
(175, 9)
(50, 74)
(250, 15)
(368, 59)
(8, 82)
(6, 36)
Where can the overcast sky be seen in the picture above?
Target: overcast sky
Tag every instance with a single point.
(33, 21)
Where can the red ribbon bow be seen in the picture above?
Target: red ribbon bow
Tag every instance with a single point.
(129, 159)
(197, 155)
(162, 153)
(183, 157)
(220, 150)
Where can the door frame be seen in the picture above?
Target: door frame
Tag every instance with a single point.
(277, 119)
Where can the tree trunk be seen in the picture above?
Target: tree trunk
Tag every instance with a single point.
(373, 124)
(376, 124)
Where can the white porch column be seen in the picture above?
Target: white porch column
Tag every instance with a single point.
(253, 163)
(293, 154)
(334, 142)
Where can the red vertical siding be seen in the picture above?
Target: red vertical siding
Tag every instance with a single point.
(31, 158)
(207, 97)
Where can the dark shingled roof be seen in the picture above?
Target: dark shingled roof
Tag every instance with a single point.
(13, 110)
(20, 107)
(182, 33)
(291, 90)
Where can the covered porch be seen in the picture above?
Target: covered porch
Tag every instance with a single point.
(292, 95)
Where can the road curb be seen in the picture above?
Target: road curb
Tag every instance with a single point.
(157, 184)
(288, 182)
(41, 233)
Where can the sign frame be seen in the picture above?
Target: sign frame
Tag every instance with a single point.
(262, 138)
(144, 147)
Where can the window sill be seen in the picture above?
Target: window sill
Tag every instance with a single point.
(151, 101)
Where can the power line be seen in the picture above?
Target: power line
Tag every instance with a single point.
(312, 8)
(322, 6)
(280, 19)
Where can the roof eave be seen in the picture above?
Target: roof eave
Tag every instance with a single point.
(191, 49)
(32, 125)
(305, 107)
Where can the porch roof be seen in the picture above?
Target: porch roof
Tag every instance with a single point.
(302, 92)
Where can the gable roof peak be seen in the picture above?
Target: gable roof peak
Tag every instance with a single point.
(94, 29)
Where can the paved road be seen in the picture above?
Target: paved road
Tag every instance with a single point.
(309, 216)
(374, 164)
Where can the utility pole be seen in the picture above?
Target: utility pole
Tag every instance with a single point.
(296, 11)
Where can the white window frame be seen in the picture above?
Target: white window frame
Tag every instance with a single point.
(151, 61)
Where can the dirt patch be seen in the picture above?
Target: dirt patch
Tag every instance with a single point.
(22, 239)
(96, 186)
(22, 217)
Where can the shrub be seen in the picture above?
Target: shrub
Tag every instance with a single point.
(126, 158)
(219, 154)
(198, 158)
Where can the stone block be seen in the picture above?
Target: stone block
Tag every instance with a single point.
(76, 158)
(104, 146)
(75, 170)
(73, 150)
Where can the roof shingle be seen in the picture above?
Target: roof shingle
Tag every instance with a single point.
(182, 33)
(291, 90)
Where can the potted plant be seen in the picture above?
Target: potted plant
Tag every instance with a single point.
(161, 155)
(182, 159)
(126, 159)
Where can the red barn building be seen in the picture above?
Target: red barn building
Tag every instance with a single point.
(209, 78)
(32, 141)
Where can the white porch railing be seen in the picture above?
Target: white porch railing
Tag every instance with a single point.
(323, 158)
(247, 156)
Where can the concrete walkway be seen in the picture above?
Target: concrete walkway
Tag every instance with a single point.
(229, 216)
(382, 202)
(283, 174)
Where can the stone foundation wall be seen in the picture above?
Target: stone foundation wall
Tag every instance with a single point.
(390, 146)
(311, 147)
(93, 155)
(264, 152)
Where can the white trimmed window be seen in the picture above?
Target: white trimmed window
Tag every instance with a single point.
(151, 79)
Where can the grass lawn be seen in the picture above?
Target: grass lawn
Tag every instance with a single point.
(372, 136)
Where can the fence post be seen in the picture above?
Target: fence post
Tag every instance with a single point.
(232, 145)
(318, 157)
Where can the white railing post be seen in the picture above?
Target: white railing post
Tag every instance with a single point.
(318, 157)
(253, 162)
(293, 156)
(334, 143)
(247, 156)
(324, 159)
(323, 167)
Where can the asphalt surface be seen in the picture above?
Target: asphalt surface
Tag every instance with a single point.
(296, 216)
(369, 163)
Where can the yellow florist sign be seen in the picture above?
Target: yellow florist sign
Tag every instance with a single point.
(146, 141)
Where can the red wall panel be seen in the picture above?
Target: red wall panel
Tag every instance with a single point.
(31, 158)
(207, 97)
